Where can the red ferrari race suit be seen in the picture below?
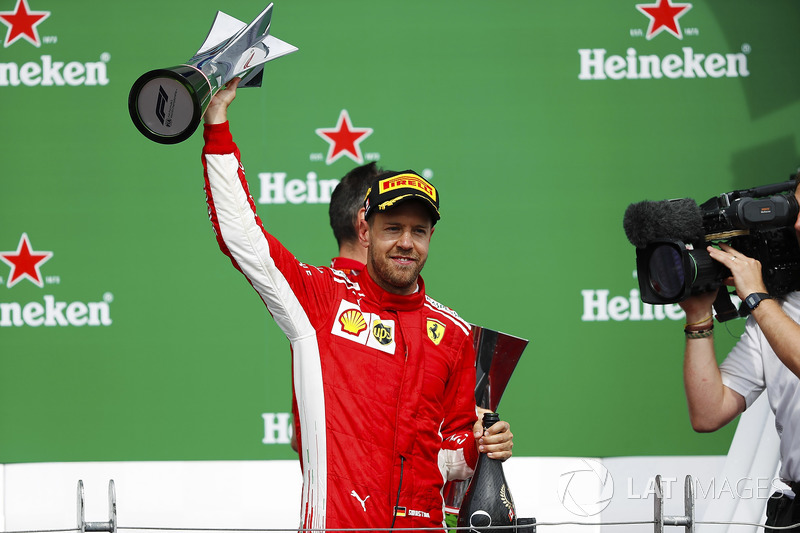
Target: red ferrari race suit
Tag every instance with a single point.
(350, 267)
(384, 383)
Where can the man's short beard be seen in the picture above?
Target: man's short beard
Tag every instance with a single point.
(399, 279)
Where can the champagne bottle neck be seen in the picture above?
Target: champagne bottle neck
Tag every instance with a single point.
(489, 419)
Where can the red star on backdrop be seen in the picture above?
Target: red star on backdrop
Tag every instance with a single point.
(664, 16)
(22, 23)
(344, 139)
(25, 263)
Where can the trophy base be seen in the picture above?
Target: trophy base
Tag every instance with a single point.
(166, 105)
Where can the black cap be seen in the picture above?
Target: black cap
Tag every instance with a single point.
(391, 188)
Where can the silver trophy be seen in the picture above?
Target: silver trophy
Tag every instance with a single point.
(167, 104)
(496, 357)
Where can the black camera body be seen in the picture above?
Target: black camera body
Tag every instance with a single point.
(757, 222)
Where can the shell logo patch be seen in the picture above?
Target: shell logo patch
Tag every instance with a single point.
(353, 322)
(435, 331)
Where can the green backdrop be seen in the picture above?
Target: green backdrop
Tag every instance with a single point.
(157, 349)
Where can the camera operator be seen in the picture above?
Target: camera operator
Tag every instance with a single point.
(766, 357)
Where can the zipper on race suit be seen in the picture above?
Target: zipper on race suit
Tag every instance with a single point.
(397, 421)
(399, 488)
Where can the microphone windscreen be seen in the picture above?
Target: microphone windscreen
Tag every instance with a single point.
(672, 220)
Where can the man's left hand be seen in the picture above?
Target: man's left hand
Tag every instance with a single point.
(745, 271)
(496, 441)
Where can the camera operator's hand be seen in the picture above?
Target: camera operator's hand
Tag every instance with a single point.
(782, 333)
(746, 271)
(699, 306)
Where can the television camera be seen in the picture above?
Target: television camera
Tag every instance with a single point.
(671, 237)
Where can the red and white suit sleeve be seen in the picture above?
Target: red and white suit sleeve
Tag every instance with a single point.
(459, 453)
(286, 286)
(269, 267)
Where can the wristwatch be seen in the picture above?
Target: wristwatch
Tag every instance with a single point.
(754, 299)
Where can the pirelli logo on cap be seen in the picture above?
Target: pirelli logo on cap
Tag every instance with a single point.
(407, 180)
(391, 188)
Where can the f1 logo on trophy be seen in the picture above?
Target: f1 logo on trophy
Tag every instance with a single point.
(167, 104)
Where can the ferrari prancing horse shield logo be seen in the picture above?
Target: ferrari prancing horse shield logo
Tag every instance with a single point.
(435, 331)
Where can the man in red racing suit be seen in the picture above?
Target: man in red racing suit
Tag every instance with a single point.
(384, 381)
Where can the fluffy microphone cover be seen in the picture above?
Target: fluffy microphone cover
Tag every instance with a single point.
(672, 220)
